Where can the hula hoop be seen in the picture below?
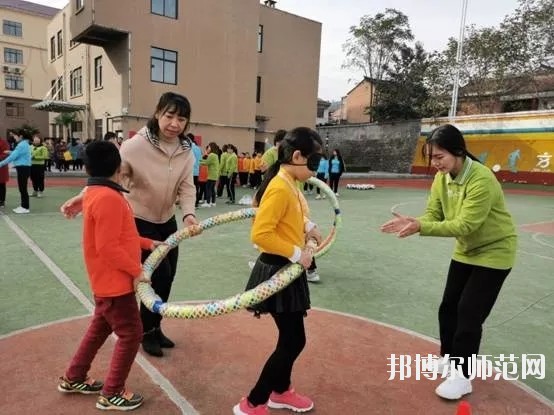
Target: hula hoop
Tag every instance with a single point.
(360, 186)
(239, 301)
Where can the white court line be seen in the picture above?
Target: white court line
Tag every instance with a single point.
(154, 374)
(537, 255)
(540, 241)
(548, 222)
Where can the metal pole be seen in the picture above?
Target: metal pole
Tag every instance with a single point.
(454, 103)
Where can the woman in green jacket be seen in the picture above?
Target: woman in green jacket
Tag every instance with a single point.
(39, 155)
(467, 203)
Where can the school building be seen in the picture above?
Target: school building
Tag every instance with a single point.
(24, 64)
(247, 67)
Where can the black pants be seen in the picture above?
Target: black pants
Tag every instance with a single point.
(163, 276)
(210, 191)
(334, 181)
(275, 376)
(468, 298)
(231, 181)
(37, 177)
(23, 173)
(308, 187)
(222, 182)
(321, 176)
(2, 194)
(243, 178)
(197, 186)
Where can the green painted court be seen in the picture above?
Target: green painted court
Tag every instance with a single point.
(366, 273)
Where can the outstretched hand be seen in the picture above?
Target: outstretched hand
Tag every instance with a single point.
(401, 225)
(71, 208)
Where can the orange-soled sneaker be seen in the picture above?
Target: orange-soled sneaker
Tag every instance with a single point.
(245, 408)
(88, 386)
(290, 400)
(124, 401)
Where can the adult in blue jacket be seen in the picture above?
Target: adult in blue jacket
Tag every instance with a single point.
(20, 158)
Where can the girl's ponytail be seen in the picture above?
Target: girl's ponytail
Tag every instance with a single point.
(268, 175)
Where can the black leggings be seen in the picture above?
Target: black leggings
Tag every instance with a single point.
(23, 173)
(2, 194)
(334, 181)
(162, 277)
(37, 177)
(210, 191)
(231, 181)
(468, 298)
(275, 376)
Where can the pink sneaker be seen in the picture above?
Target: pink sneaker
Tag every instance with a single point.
(290, 400)
(245, 408)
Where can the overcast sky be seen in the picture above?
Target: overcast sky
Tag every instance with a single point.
(432, 22)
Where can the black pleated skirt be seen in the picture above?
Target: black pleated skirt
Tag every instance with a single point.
(293, 298)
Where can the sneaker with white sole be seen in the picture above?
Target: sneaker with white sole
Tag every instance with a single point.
(20, 210)
(455, 387)
(318, 197)
(290, 400)
(312, 276)
(124, 401)
(246, 408)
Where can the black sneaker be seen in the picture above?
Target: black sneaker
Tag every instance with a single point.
(164, 341)
(151, 344)
(124, 401)
(88, 386)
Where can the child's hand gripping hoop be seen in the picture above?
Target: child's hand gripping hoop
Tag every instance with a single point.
(239, 301)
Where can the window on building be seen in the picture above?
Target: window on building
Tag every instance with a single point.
(258, 89)
(52, 48)
(98, 130)
(12, 28)
(260, 38)
(167, 8)
(57, 89)
(13, 56)
(98, 72)
(163, 65)
(77, 127)
(79, 4)
(60, 43)
(76, 82)
(320, 112)
(15, 109)
(14, 82)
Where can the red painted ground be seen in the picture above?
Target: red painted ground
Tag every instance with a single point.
(546, 228)
(216, 361)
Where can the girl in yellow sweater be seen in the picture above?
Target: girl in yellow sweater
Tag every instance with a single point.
(280, 232)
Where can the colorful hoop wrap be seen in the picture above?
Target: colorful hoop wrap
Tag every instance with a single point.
(239, 301)
(360, 186)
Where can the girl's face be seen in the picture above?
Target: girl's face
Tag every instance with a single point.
(171, 125)
(444, 161)
(36, 141)
(299, 167)
(334, 153)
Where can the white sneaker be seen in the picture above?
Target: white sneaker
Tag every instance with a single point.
(251, 265)
(318, 197)
(454, 387)
(39, 194)
(337, 195)
(212, 205)
(441, 366)
(205, 205)
(20, 210)
(313, 276)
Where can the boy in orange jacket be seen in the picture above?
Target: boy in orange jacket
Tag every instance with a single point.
(112, 252)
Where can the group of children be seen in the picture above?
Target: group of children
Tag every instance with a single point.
(281, 231)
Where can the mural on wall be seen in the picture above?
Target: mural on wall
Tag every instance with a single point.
(513, 158)
(514, 144)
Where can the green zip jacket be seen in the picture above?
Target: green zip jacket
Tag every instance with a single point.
(231, 165)
(223, 164)
(39, 154)
(212, 161)
(471, 208)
